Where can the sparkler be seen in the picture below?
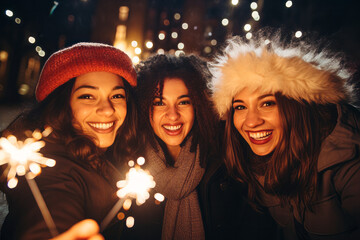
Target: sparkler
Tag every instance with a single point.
(136, 185)
(24, 159)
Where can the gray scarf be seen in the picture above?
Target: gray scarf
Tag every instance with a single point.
(182, 217)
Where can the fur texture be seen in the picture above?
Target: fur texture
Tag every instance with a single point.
(296, 70)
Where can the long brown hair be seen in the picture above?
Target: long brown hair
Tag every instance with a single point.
(55, 111)
(292, 167)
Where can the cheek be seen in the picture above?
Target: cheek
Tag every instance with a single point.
(237, 122)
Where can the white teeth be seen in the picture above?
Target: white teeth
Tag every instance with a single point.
(102, 125)
(259, 135)
(172, 128)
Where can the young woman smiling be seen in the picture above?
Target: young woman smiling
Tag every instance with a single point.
(85, 96)
(178, 123)
(292, 135)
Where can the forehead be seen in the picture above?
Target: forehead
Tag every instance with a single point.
(172, 87)
(247, 94)
(99, 79)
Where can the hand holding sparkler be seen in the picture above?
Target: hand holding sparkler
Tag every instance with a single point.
(23, 158)
(136, 185)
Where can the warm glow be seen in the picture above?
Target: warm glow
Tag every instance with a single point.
(253, 5)
(131, 163)
(225, 22)
(298, 34)
(9, 13)
(159, 197)
(207, 50)
(137, 50)
(288, 4)
(177, 16)
(234, 2)
(161, 36)
(160, 51)
(18, 20)
(140, 161)
(135, 59)
(149, 44)
(31, 40)
(130, 221)
(255, 15)
(134, 43)
(22, 157)
(123, 13)
(248, 35)
(180, 45)
(247, 27)
(127, 204)
(213, 42)
(174, 34)
(179, 53)
(184, 26)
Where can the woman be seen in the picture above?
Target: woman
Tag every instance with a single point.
(291, 134)
(180, 135)
(85, 96)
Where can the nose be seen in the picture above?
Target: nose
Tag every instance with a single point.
(253, 118)
(172, 113)
(105, 108)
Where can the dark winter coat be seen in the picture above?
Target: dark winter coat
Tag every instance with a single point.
(337, 207)
(72, 190)
(226, 212)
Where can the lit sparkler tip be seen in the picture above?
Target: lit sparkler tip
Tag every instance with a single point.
(12, 182)
(23, 157)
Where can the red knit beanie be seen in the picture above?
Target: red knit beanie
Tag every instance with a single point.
(79, 59)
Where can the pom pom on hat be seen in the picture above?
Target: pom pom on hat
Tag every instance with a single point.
(79, 59)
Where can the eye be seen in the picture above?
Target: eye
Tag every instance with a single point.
(158, 103)
(118, 96)
(269, 103)
(185, 102)
(239, 107)
(85, 96)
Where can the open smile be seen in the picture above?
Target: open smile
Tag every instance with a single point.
(172, 129)
(101, 127)
(260, 137)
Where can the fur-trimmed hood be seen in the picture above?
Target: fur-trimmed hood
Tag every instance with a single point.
(296, 70)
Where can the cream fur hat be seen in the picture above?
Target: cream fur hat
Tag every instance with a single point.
(266, 64)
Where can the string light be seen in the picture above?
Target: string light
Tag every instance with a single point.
(298, 34)
(253, 5)
(225, 22)
(288, 4)
(247, 27)
(184, 26)
(234, 2)
(9, 13)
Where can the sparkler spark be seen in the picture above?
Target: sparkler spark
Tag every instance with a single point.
(137, 185)
(23, 157)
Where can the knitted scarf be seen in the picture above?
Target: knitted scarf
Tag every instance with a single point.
(182, 217)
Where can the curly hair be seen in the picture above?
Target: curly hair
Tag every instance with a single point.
(195, 74)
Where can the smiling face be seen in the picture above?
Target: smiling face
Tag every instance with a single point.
(256, 117)
(98, 103)
(173, 114)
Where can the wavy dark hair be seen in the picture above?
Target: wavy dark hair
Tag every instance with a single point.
(195, 74)
(291, 170)
(55, 111)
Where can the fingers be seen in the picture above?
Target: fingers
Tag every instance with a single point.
(86, 229)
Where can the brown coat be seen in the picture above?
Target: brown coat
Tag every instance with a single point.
(337, 208)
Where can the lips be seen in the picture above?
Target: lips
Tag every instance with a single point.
(172, 130)
(102, 127)
(260, 137)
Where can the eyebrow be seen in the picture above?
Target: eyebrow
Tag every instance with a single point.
(259, 98)
(96, 88)
(182, 96)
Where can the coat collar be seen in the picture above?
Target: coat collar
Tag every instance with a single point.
(340, 145)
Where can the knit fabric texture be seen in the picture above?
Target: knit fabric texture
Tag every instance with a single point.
(79, 59)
